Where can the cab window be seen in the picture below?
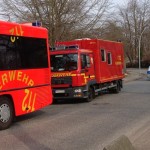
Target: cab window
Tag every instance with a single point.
(85, 61)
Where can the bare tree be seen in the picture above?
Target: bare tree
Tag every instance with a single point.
(65, 19)
(134, 19)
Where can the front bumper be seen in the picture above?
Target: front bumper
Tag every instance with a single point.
(72, 92)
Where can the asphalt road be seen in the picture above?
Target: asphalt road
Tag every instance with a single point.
(79, 125)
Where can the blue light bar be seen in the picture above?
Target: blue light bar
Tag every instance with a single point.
(63, 47)
(37, 24)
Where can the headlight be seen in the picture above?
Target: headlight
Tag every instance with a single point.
(77, 90)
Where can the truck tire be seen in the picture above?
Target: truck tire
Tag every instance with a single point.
(117, 88)
(91, 95)
(6, 113)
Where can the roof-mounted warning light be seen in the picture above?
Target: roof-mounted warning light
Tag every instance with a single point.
(37, 24)
(63, 47)
(72, 47)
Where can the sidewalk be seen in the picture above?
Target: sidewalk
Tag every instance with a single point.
(134, 74)
(141, 138)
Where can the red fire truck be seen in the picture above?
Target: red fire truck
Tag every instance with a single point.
(24, 71)
(83, 68)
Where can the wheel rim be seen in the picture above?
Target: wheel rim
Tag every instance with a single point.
(4, 113)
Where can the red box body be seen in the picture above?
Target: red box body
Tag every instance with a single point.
(104, 72)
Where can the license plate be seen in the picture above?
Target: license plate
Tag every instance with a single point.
(60, 91)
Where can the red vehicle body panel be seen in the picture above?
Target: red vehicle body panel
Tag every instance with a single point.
(9, 28)
(104, 72)
(29, 89)
(78, 78)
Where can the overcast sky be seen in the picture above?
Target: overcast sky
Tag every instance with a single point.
(119, 2)
(116, 1)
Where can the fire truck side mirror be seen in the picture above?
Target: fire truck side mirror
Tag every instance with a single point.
(84, 70)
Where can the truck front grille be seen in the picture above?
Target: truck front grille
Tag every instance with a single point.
(61, 80)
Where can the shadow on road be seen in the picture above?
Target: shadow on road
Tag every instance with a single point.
(29, 116)
(68, 101)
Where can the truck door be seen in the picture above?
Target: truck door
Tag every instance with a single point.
(87, 66)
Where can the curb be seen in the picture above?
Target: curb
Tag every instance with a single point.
(129, 78)
(122, 143)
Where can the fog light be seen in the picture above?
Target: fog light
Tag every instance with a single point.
(77, 90)
(78, 95)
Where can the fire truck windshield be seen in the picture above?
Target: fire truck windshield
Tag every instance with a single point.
(64, 62)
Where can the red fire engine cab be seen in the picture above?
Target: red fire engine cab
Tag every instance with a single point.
(83, 68)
